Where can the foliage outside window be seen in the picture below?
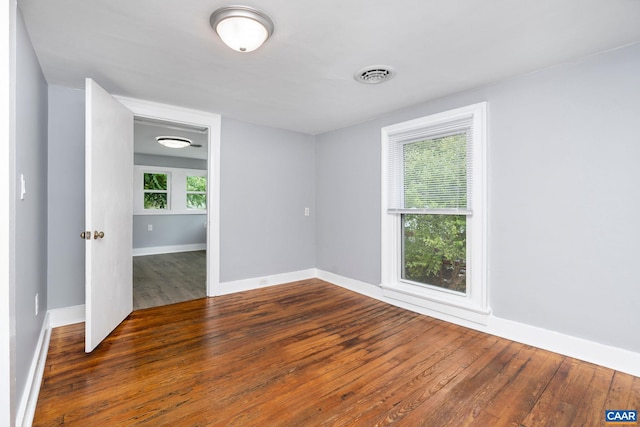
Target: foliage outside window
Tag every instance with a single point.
(196, 192)
(164, 190)
(434, 245)
(156, 190)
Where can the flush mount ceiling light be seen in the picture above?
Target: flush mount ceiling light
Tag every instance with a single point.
(242, 28)
(374, 74)
(173, 141)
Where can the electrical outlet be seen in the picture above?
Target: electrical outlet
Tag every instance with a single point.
(306, 211)
(37, 305)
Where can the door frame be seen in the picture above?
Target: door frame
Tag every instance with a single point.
(211, 121)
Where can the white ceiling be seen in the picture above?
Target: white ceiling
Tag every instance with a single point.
(302, 78)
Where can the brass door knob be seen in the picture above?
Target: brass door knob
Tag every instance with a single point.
(98, 235)
(85, 235)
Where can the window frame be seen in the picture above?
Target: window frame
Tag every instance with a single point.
(473, 305)
(167, 191)
(187, 191)
(176, 188)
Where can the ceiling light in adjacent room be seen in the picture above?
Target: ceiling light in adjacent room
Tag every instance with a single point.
(242, 28)
(173, 141)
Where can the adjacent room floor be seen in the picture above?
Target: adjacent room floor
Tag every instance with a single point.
(168, 278)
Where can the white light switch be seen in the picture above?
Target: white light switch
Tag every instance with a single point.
(23, 187)
(150, 227)
(306, 211)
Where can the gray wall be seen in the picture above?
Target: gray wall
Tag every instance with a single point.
(31, 213)
(168, 230)
(66, 197)
(563, 186)
(267, 179)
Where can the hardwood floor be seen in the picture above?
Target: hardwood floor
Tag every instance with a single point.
(313, 354)
(168, 278)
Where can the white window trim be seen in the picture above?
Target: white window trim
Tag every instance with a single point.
(177, 190)
(472, 306)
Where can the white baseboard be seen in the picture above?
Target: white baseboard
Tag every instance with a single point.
(601, 354)
(262, 282)
(27, 405)
(157, 250)
(66, 315)
(589, 351)
(363, 288)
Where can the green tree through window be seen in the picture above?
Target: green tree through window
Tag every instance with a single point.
(156, 190)
(196, 192)
(434, 245)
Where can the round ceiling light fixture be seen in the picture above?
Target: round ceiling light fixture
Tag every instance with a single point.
(374, 74)
(173, 141)
(242, 28)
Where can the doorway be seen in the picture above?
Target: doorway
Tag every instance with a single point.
(200, 258)
(170, 212)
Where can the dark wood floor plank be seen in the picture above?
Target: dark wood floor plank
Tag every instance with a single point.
(527, 384)
(559, 404)
(593, 405)
(312, 354)
(356, 390)
(450, 399)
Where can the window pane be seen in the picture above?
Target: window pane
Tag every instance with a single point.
(435, 250)
(435, 173)
(196, 201)
(155, 181)
(155, 200)
(196, 183)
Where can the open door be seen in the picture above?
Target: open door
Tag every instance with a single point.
(108, 214)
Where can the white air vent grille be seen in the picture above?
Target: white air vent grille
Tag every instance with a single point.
(374, 74)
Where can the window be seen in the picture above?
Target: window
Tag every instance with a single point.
(156, 191)
(433, 221)
(169, 191)
(196, 192)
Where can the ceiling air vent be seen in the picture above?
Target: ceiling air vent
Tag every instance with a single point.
(374, 74)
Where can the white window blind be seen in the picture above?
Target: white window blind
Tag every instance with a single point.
(430, 168)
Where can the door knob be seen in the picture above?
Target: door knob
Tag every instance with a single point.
(85, 235)
(98, 235)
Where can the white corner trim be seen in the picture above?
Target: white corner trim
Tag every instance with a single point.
(157, 250)
(589, 351)
(265, 281)
(29, 399)
(362, 288)
(66, 315)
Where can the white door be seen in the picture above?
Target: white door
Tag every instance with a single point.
(108, 214)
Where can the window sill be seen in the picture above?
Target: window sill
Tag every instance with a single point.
(445, 303)
(169, 212)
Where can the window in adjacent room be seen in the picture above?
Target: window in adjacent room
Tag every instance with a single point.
(196, 192)
(161, 190)
(433, 212)
(156, 190)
